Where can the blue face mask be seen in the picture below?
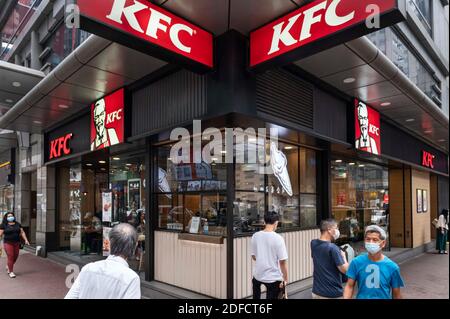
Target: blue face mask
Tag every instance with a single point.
(10, 219)
(372, 248)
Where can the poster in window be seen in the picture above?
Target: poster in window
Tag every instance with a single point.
(419, 200)
(424, 201)
(134, 193)
(195, 225)
(106, 244)
(107, 206)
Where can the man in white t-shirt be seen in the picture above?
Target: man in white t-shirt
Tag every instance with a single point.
(270, 256)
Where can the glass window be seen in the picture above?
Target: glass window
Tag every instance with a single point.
(189, 190)
(62, 42)
(308, 171)
(18, 19)
(360, 197)
(422, 9)
(249, 211)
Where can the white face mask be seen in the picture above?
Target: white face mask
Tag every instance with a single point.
(372, 248)
(336, 234)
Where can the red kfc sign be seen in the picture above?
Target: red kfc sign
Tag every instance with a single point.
(427, 159)
(149, 23)
(60, 146)
(367, 128)
(319, 20)
(107, 121)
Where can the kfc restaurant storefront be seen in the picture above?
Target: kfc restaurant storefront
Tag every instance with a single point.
(337, 154)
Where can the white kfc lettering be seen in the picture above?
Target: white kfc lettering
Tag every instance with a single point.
(311, 17)
(119, 9)
(114, 116)
(154, 23)
(157, 21)
(174, 36)
(283, 35)
(374, 130)
(332, 19)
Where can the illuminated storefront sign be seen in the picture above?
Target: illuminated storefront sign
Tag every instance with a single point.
(367, 128)
(317, 26)
(427, 159)
(60, 146)
(108, 121)
(148, 28)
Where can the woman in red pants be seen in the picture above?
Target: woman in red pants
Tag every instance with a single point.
(12, 232)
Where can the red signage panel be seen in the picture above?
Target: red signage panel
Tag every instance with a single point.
(320, 19)
(108, 121)
(367, 128)
(150, 23)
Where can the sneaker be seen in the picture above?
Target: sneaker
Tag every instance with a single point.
(12, 275)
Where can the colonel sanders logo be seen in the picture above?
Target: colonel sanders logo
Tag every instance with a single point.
(107, 121)
(367, 128)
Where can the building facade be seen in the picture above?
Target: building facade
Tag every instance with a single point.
(362, 126)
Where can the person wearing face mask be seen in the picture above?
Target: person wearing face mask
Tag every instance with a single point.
(376, 275)
(12, 232)
(329, 263)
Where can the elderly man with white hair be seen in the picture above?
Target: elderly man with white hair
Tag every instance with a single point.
(111, 278)
(376, 275)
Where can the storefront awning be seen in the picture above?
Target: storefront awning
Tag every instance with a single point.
(378, 82)
(96, 68)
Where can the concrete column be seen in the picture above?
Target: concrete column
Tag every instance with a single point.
(45, 201)
(36, 50)
(17, 59)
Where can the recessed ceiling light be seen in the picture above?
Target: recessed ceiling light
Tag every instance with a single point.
(37, 122)
(441, 140)
(128, 164)
(88, 164)
(361, 165)
(102, 162)
(351, 164)
(116, 158)
(9, 101)
(386, 104)
(349, 80)
(223, 152)
(103, 169)
(16, 84)
(63, 106)
(288, 147)
(410, 120)
(214, 158)
(338, 161)
(428, 131)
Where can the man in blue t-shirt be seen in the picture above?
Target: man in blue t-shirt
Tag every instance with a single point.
(329, 262)
(376, 275)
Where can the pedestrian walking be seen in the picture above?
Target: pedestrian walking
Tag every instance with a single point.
(111, 278)
(269, 253)
(376, 275)
(13, 233)
(329, 261)
(442, 232)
